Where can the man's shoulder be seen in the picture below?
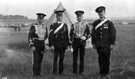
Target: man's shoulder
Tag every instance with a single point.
(33, 24)
(109, 20)
(96, 22)
(53, 24)
(85, 23)
(75, 23)
(65, 24)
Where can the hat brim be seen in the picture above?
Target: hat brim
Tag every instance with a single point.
(100, 7)
(40, 14)
(79, 11)
(59, 11)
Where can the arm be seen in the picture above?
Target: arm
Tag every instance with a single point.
(112, 33)
(30, 36)
(72, 33)
(50, 39)
(93, 35)
(46, 35)
(87, 32)
(67, 32)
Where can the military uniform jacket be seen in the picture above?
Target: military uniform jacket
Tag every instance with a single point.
(60, 38)
(78, 30)
(37, 31)
(104, 35)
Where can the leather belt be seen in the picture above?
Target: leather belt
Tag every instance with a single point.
(78, 36)
(38, 39)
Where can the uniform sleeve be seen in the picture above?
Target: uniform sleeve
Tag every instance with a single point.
(72, 33)
(30, 36)
(112, 33)
(46, 35)
(87, 32)
(67, 32)
(51, 36)
(93, 35)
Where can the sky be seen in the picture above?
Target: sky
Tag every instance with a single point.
(29, 8)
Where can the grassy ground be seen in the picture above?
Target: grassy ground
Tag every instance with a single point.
(15, 57)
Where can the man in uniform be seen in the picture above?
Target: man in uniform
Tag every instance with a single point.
(37, 35)
(103, 40)
(58, 38)
(79, 33)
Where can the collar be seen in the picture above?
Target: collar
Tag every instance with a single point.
(79, 22)
(59, 22)
(102, 19)
(40, 24)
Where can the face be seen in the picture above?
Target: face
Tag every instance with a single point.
(40, 20)
(59, 18)
(79, 18)
(101, 14)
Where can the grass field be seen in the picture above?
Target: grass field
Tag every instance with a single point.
(15, 57)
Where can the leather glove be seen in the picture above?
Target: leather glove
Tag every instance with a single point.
(83, 38)
(69, 43)
(71, 49)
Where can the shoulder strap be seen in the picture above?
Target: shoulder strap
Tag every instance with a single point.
(102, 22)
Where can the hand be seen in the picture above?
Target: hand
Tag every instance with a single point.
(83, 38)
(69, 43)
(33, 48)
(71, 49)
(111, 47)
(94, 46)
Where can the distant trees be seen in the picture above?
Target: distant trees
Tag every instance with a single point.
(13, 17)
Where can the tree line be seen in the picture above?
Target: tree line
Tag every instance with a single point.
(13, 17)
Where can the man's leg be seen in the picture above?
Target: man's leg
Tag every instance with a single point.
(40, 62)
(75, 57)
(82, 53)
(100, 60)
(61, 59)
(41, 48)
(35, 63)
(106, 60)
(56, 53)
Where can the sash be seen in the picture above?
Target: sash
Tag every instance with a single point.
(58, 28)
(51, 30)
(102, 22)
